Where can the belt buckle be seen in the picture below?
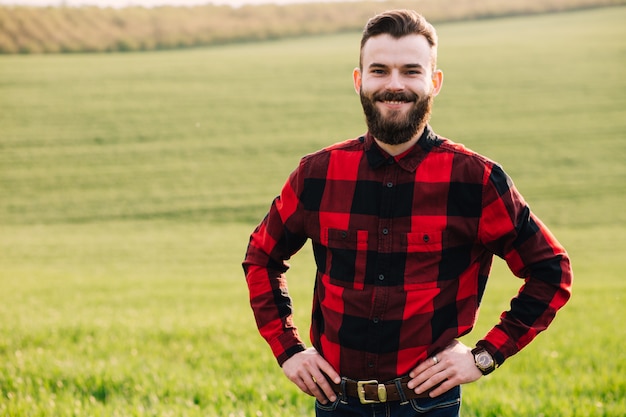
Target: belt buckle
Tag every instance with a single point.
(382, 392)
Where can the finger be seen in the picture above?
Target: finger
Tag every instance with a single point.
(425, 364)
(444, 387)
(320, 371)
(330, 372)
(317, 385)
(302, 385)
(324, 386)
(429, 378)
(423, 372)
(311, 388)
(322, 397)
(434, 382)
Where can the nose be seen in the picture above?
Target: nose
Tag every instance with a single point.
(395, 81)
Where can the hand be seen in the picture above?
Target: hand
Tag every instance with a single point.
(453, 366)
(306, 369)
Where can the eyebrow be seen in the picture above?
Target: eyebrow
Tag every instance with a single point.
(406, 66)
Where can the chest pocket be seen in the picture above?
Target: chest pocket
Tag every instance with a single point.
(424, 252)
(345, 256)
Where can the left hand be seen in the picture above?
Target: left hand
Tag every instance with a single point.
(453, 366)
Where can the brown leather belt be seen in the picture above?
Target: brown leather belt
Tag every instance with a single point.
(371, 391)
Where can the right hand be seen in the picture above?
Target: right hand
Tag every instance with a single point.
(308, 370)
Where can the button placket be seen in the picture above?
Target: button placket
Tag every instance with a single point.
(385, 246)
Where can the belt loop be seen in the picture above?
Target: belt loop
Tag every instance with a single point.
(400, 390)
(344, 394)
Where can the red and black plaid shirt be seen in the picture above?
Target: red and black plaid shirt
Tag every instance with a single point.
(403, 249)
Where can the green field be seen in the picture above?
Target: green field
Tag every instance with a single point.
(129, 184)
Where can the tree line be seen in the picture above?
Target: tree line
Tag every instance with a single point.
(26, 30)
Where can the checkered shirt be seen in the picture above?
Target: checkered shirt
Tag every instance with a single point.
(403, 249)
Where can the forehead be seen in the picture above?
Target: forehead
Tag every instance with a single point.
(387, 50)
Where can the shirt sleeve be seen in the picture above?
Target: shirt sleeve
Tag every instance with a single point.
(510, 230)
(271, 244)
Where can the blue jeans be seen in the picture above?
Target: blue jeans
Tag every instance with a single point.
(445, 405)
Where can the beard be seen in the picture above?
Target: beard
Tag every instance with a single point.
(396, 128)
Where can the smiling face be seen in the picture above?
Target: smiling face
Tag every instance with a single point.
(397, 85)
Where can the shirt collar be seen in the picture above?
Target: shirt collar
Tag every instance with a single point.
(377, 157)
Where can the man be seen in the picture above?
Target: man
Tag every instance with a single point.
(404, 225)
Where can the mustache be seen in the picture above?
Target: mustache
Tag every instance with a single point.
(391, 96)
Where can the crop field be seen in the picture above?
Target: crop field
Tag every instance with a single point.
(28, 30)
(129, 184)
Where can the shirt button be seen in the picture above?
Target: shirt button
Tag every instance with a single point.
(344, 234)
(426, 238)
(376, 320)
(381, 277)
(389, 184)
(385, 231)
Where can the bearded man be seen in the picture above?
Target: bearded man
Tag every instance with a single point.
(404, 225)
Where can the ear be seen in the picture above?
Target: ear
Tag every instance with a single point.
(437, 81)
(357, 79)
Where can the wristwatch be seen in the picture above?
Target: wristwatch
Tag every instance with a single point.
(484, 361)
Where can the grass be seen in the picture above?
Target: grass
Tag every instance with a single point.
(130, 184)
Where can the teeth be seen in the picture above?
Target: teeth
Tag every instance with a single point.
(394, 102)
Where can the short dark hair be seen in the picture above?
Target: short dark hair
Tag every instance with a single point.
(399, 23)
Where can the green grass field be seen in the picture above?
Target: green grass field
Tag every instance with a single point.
(129, 184)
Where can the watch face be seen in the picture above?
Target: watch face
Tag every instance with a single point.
(484, 360)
